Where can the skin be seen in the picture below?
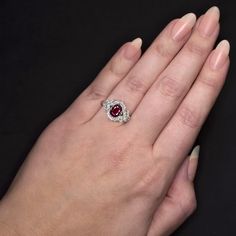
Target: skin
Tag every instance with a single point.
(87, 175)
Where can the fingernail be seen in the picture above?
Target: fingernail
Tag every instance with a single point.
(195, 152)
(132, 48)
(209, 22)
(219, 55)
(183, 26)
(193, 163)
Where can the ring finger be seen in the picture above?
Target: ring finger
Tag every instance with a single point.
(135, 84)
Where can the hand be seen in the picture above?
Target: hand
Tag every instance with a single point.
(87, 175)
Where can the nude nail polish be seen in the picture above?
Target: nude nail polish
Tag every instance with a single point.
(209, 22)
(219, 55)
(195, 152)
(132, 48)
(193, 163)
(183, 26)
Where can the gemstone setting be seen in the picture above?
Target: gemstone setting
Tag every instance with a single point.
(116, 110)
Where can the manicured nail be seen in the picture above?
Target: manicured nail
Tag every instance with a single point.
(183, 26)
(193, 163)
(209, 22)
(195, 152)
(132, 48)
(219, 55)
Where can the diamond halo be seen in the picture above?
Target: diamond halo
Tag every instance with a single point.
(116, 110)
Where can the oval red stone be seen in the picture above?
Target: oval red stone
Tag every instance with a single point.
(116, 110)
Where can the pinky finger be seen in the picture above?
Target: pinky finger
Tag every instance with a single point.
(89, 101)
(180, 201)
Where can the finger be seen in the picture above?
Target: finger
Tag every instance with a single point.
(182, 129)
(167, 92)
(155, 59)
(180, 201)
(88, 103)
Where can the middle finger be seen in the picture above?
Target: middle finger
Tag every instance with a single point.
(165, 95)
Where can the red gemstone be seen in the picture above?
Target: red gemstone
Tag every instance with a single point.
(116, 110)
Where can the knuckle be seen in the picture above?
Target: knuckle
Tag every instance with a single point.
(170, 87)
(162, 49)
(116, 67)
(197, 48)
(146, 187)
(118, 157)
(188, 205)
(208, 82)
(147, 184)
(96, 92)
(136, 84)
(150, 178)
(189, 117)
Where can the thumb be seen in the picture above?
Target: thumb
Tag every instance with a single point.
(180, 200)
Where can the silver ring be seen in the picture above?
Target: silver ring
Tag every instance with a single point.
(116, 110)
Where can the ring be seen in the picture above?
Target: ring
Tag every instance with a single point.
(116, 110)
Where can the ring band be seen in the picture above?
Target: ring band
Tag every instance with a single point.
(116, 110)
